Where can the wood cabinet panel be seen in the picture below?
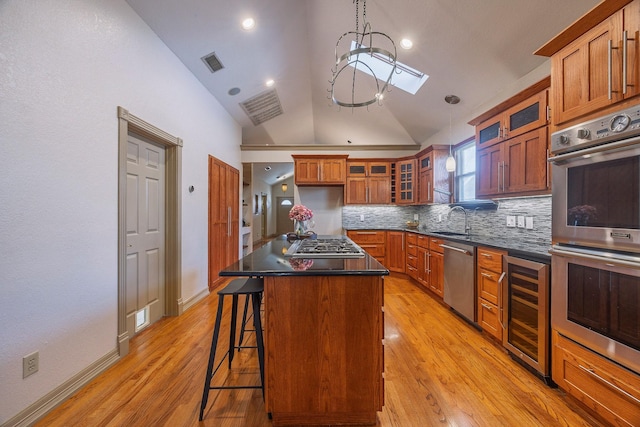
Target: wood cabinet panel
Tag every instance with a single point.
(489, 275)
(395, 255)
(606, 389)
(599, 68)
(406, 179)
(319, 169)
(368, 182)
(314, 368)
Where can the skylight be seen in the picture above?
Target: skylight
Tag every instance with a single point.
(406, 78)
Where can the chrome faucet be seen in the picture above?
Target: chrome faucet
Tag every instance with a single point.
(467, 226)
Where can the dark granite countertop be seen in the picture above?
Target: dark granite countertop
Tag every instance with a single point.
(523, 249)
(269, 260)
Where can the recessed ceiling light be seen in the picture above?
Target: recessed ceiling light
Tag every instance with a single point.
(234, 91)
(406, 44)
(248, 24)
(267, 168)
(270, 82)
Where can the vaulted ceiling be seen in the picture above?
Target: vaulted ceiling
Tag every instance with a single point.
(470, 48)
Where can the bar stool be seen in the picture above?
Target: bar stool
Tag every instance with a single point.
(252, 288)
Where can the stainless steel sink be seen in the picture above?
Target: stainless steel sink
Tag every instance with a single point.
(448, 233)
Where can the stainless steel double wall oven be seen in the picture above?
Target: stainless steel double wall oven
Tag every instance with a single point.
(595, 296)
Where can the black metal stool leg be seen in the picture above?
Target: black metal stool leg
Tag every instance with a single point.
(244, 321)
(212, 355)
(232, 334)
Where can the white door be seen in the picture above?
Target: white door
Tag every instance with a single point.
(145, 219)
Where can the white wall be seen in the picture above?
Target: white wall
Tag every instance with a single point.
(65, 65)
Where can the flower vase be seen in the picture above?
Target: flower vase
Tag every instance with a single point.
(300, 227)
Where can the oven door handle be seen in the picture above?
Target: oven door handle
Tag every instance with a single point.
(622, 260)
(561, 158)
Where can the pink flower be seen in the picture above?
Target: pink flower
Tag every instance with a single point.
(300, 213)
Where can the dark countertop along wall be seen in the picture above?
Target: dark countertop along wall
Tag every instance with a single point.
(488, 227)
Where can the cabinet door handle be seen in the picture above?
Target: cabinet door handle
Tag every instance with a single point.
(504, 166)
(548, 113)
(610, 384)
(488, 307)
(610, 68)
(488, 276)
(486, 255)
(625, 59)
(499, 167)
(547, 166)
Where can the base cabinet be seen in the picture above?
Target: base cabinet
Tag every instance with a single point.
(608, 390)
(374, 242)
(395, 251)
(490, 275)
(436, 266)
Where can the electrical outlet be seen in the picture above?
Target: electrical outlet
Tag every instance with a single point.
(528, 221)
(30, 364)
(440, 218)
(511, 221)
(416, 217)
(520, 221)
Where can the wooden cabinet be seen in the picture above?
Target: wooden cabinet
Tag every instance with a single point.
(319, 169)
(489, 279)
(608, 390)
(395, 251)
(517, 166)
(512, 146)
(224, 218)
(372, 241)
(436, 266)
(434, 182)
(323, 334)
(596, 68)
(368, 182)
(523, 117)
(411, 249)
(405, 181)
(422, 245)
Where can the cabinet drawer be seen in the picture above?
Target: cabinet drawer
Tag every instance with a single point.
(367, 236)
(375, 250)
(488, 285)
(412, 261)
(490, 259)
(412, 250)
(434, 245)
(609, 390)
(423, 241)
(489, 318)
(412, 238)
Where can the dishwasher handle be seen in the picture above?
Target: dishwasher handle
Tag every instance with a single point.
(453, 248)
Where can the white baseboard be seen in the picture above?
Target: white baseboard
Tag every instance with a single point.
(194, 299)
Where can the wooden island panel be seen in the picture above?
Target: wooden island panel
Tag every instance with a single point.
(323, 349)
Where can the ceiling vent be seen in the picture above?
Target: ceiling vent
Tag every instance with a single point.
(213, 63)
(262, 107)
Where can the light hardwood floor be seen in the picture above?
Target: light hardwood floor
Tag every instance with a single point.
(439, 371)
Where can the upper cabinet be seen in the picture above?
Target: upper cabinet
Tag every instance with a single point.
(596, 68)
(512, 146)
(319, 169)
(527, 115)
(405, 181)
(368, 182)
(434, 182)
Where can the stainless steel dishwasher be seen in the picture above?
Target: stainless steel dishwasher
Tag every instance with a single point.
(460, 278)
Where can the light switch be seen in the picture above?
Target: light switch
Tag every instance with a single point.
(528, 221)
(520, 221)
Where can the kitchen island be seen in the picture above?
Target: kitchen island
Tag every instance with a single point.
(323, 332)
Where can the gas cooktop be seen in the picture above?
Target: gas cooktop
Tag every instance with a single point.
(325, 248)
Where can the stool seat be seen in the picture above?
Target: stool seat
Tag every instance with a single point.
(252, 288)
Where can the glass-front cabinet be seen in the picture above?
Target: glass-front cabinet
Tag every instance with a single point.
(406, 181)
(529, 114)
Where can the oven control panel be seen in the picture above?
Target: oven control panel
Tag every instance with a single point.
(612, 127)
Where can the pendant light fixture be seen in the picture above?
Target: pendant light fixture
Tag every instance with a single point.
(450, 164)
(361, 87)
(284, 188)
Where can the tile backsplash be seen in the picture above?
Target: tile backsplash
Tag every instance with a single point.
(438, 217)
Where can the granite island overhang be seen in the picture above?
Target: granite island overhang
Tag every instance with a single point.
(323, 332)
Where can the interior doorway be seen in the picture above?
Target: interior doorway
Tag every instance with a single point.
(264, 217)
(170, 301)
(283, 224)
